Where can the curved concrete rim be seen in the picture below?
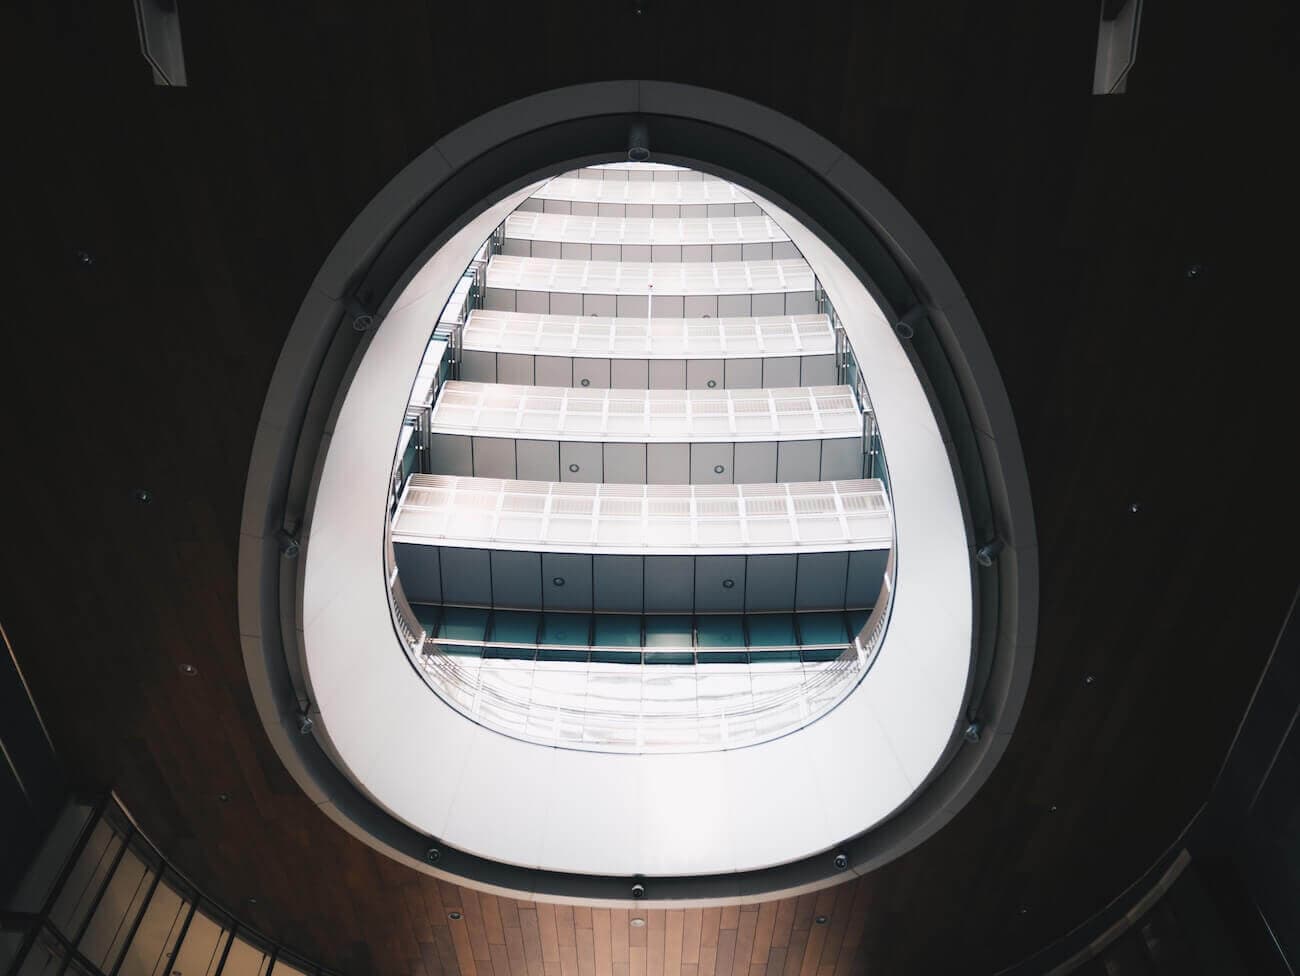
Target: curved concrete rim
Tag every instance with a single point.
(322, 349)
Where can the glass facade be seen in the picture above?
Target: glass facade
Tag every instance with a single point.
(99, 899)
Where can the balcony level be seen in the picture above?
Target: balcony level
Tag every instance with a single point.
(636, 172)
(666, 437)
(638, 353)
(664, 289)
(552, 235)
(642, 548)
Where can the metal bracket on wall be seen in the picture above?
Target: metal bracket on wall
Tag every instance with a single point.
(1117, 42)
(159, 26)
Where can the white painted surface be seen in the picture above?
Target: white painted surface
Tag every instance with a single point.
(641, 338)
(613, 814)
(625, 519)
(598, 414)
(512, 273)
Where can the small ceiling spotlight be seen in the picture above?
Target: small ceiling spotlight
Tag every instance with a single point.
(821, 919)
(252, 901)
(83, 258)
(719, 468)
(1089, 679)
(455, 916)
(728, 584)
(223, 797)
(142, 496)
(638, 890)
(841, 862)
(1053, 808)
(1194, 270)
(189, 670)
(987, 553)
(638, 923)
(432, 855)
(972, 732)
(557, 580)
(1134, 508)
(363, 322)
(305, 725)
(638, 140)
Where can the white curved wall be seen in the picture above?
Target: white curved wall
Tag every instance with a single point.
(586, 812)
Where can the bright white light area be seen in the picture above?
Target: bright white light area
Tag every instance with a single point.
(578, 413)
(634, 277)
(489, 513)
(609, 814)
(641, 338)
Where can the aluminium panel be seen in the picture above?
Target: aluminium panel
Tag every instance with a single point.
(420, 572)
(516, 579)
(466, 576)
(719, 584)
(617, 583)
(821, 580)
(566, 581)
(669, 584)
(537, 460)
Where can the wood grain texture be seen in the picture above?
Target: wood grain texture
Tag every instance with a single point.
(1070, 222)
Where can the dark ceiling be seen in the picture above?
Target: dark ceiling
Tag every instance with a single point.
(1130, 258)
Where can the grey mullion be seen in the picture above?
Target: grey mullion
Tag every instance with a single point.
(225, 950)
(185, 930)
(99, 895)
(139, 917)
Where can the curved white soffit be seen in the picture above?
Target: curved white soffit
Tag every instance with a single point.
(604, 814)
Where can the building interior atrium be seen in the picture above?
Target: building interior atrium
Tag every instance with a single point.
(644, 488)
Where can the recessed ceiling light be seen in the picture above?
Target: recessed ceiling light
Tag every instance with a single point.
(455, 916)
(189, 670)
(821, 920)
(638, 923)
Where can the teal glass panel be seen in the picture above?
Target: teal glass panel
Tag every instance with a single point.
(821, 628)
(408, 459)
(757, 656)
(463, 623)
(770, 629)
(670, 657)
(510, 653)
(721, 657)
(615, 657)
(514, 627)
(462, 650)
(566, 628)
(428, 617)
(618, 630)
(668, 630)
(556, 654)
(824, 654)
(719, 630)
(857, 620)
